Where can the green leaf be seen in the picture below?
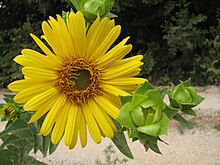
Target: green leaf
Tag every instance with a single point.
(170, 111)
(164, 125)
(111, 15)
(45, 145)
(9, 98)
(147, 103)
(108, 5)
(124, 116)
(144, 88)
(52, 147)
(5, 157)
(137, 99)
(120, 141)
(151, 129)
(154, 94)
(183, 121)
(137, 116)
(186, 83)
(77, 4)
(19, 128)
(125, 99)
(153, 146)
(32, 161)
(163, 91)
(189, 111)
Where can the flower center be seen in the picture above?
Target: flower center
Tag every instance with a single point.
(78, 80)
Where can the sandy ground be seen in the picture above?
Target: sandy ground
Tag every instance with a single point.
(197, 146)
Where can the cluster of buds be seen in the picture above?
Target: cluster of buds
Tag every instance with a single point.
(146, 116)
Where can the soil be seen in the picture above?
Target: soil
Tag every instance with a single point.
(197, 146)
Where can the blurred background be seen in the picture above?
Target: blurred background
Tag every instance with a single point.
(178, 38)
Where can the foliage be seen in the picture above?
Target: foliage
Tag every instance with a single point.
(19, 139)
(178, 38)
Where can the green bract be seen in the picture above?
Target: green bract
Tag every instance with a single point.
(184, 97)
(144, 111)
(92, 8)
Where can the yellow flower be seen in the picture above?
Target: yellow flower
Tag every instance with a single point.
(9, 112)
(78, 81)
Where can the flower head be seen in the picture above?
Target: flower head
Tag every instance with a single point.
(9, 112)
(77, 81)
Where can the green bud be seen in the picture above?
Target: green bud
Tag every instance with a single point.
(9, 112)
(184, 97)
(92, 8)
(144, 112)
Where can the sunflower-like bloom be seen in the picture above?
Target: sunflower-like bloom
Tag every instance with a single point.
(77, 81)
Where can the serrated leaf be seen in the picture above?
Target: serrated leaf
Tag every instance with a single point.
(183, 121)
(120, 142)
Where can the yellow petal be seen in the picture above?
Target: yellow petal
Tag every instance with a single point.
(83, 132)
(52, 35)
(66, 36)
(98, 35)
(31, 92)
(114, 90)
(76, 129)
(44, 108)
(107, 42)
(39, 73)
(42, 46)
(117, 52)
(101, 121)
(107, 106)
(92, 125)
(121, 71)
(78, 32)
(51, 117)
(125, 81)
(70, 125)
(20, 85)
(37, 101)
(60, 124)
